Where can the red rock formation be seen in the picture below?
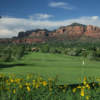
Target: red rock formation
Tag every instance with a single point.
(38, 34)
(92, 31)
(73, 31)
(5, 40)
(77, 31)
(69, 31)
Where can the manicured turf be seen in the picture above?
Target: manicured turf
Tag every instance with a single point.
(67, 68)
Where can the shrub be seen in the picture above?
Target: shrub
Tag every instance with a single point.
(52, 50)
(45, 49)
(91, 55)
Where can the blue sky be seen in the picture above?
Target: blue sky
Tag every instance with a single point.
(26, 8)
(21, 15)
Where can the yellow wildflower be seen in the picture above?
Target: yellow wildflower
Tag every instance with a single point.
(28, 89)
(85, 78)
(87, 97)
(17, 80)
(84, 82)
(79, 87)
(27, 84)
(34, 82)
(14, 91)
(87, 85)
(82, 92)
(74, 90)
(83, 87)
(98, 79)
(40, 78)
(20, 86)
(37, 85)
(44, 83)
(11, 80)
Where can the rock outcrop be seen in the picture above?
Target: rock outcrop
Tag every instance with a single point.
(70, 32)
(76, 31)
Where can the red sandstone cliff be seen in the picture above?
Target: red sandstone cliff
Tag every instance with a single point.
(76, 31)
(73, 31)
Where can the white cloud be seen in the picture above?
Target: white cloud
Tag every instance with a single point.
(41, 16)
(95, 17)
(61, 5)
(11, 26)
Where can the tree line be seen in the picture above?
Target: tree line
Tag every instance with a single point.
(12, 52)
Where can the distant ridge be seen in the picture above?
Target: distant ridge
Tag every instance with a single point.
(75, 31)
(77, 24)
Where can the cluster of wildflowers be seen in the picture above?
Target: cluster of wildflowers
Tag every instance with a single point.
(32, 87)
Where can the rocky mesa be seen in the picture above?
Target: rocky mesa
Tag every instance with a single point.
(70, 32)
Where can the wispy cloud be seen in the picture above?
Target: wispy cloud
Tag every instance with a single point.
(11, 26)
(41, 16)
(95, 17)
(63, 5)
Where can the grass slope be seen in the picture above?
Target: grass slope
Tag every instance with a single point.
(68, 69)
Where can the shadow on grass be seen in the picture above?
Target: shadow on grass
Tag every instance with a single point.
(11, 65)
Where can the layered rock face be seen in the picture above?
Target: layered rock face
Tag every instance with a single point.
(92, 31)
(76, 31)
(33, 33)
(73, 31)
(69, 32)
(5, 40)
(34, 36)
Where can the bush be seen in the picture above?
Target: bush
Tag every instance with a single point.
(45, 49)
(52, 50)
(11, 53)
(74, 52)
(91, 55)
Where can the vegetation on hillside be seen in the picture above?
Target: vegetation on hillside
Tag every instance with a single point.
(10, 52)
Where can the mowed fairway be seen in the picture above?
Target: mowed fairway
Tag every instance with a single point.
(68, 69)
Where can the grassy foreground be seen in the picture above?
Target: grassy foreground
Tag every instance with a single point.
(39, 76)
(69, 70)
(32, 87)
